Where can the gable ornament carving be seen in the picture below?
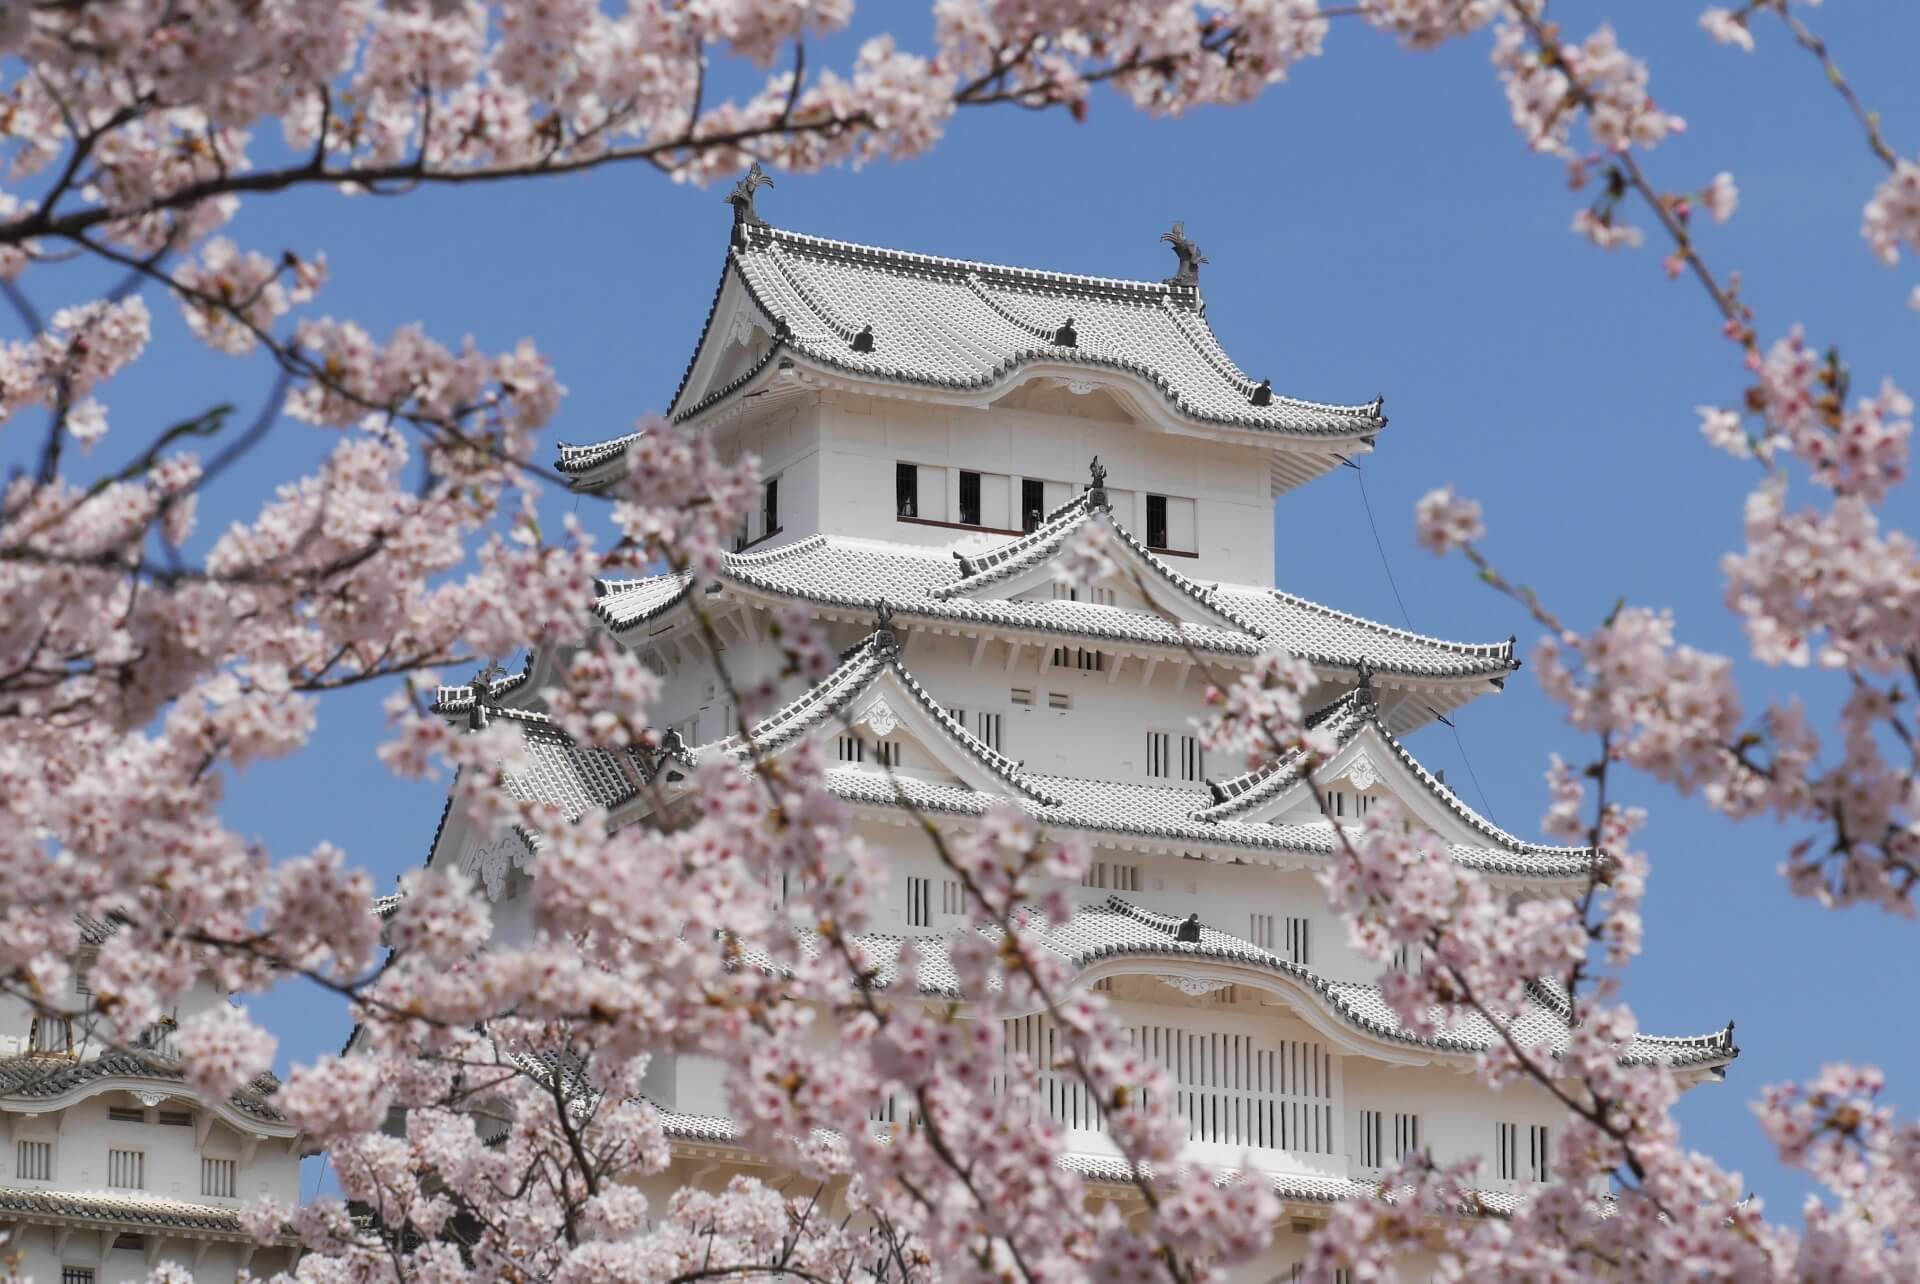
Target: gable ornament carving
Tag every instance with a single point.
(1361, 772)
(881, 717)
(490, 862)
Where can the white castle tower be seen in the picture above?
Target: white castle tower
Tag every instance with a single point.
(925, 427)
(113, 1165)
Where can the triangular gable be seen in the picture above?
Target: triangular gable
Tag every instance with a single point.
(739, 338)
(872, 690)
(1369, 759)
(1020, 566)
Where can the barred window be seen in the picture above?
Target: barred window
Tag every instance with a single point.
(76, 1275)
(1260, 930)
(1299, 942)
(1372, 1128)
(1192, 759)
(127, 1169)
(216, 1178)
(1111, 875)
(1406, 1135)
(127, 1114)
(33, 1161)
(919, 911)
(1159, 761)
(988, 729)
(50, 1034)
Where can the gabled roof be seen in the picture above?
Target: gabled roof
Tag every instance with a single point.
(1119, 929)
(921, 583)
(1354, 715)
(875, 660)
(956, 324)
(1040, 546)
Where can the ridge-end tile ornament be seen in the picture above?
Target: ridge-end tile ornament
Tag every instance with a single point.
(1190, 256)
(482, 683)
(741, 198)
(1189, 930)
(886, 643)
(1097, 490)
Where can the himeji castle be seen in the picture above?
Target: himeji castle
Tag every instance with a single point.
(934, 434)
(114, 1165)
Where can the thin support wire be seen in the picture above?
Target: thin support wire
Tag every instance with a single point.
(1407, 618)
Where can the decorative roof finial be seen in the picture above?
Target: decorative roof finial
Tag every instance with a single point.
(886, 643)
(1363, 689)
(741, 198)
(1190, 256)
(863, 342)
(1189, 930)
(1097, 492)
(482, 684)
(1263, 395)
(1066, 336)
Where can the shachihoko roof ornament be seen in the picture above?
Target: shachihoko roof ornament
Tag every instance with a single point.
(741, 198)
(1190, 256)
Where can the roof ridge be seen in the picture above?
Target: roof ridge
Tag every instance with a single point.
(1477, 649)
(805, 544)
(961, 267)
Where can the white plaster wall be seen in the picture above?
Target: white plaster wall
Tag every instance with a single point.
(861, 439)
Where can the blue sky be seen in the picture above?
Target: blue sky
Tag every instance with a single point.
(1375, 226)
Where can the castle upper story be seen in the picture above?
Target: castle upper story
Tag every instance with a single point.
(951, 404)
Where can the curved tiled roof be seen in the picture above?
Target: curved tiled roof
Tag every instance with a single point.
(951, 323)
(38, 1076)
(1119, 929)
(119, 1208)
(928, 584)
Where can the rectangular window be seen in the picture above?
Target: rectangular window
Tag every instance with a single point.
(850, 749)
(1260, 930)
(76, 1275)
(953, 897)
(1299, 946)
(770, 507)
(129, 1241)
(1059, 700)
(969, 498)
(1078, 657)
(906, 490)
(1170, 523)
(175, 1118)
(919, 910)
(50, 1034)
(1372, 1128)
(1538, 1166)
(216, 1178)
(1114, 876)
(887, 753)
(33, 1161)
(1506, 1142)
(127, 1114)
(1022, 696)
(82, 981)
(1406, 1136)
(1408, 958)
(988, 729)
(1192, 760)
(1159, 755)
(127, 1169)
(1033, 502)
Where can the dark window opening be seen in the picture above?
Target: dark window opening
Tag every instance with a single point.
(1033, 502)
(770, 508)
(1157, 521)
(969, 499)
(906, 490)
